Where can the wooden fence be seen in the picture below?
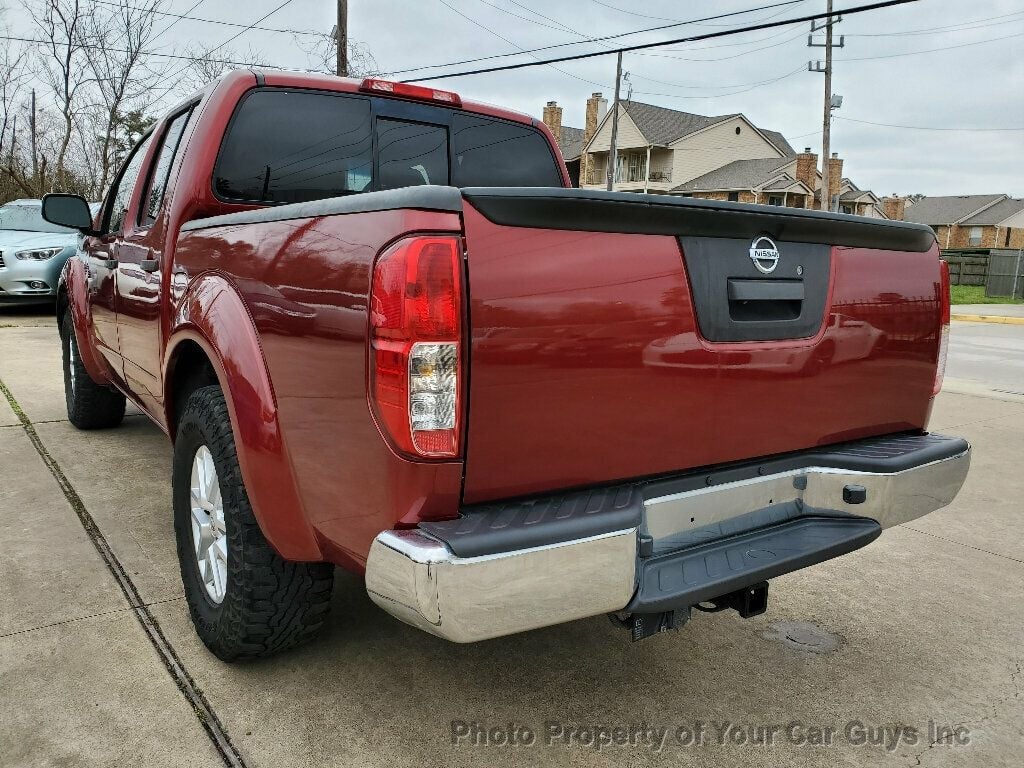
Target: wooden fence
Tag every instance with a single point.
(967, 268)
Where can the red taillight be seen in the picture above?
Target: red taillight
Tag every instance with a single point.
(415, 337)
(944, 312)
(423, 93)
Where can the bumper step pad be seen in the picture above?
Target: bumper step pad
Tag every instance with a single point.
(694, 575)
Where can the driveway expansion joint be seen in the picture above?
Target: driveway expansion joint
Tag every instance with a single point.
(165, 651)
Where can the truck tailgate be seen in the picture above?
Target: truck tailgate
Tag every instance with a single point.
(617, 336)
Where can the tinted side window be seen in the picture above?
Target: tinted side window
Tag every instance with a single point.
(162, 168)
(495, 153)
(121, 196)
(410, 154)
(287, 147)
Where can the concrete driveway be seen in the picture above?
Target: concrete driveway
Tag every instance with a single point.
(859, 661)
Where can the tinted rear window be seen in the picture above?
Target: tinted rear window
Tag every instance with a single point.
(410, 154)
(496, 153)
(287, 147)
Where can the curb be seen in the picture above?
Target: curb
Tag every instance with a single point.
(989, 319)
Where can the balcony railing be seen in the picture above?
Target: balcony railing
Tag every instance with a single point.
(626, 175)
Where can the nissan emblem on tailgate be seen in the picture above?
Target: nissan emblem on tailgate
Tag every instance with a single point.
(764, 254)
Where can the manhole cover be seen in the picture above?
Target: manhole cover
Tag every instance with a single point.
(803, 635)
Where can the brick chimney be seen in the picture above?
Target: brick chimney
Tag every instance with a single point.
(894, 207)
(807, 168)
(553, 119)
(835, 178)
(597, 106)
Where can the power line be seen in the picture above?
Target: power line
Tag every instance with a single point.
(729, 89)
(631, 12)
(745, 89)
(595, 39)
(960, 26)
(148, 53)
(932, 50)
(186, 17)
(177, 21)
(179, 74)
(691, 39)
(656, 55)
(504, 39)
(924, 127)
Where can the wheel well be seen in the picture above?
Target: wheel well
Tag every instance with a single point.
(62, 307)
(190, 369)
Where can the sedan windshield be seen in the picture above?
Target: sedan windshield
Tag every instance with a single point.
(27, 218)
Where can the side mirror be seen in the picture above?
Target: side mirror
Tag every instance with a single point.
(68, 211)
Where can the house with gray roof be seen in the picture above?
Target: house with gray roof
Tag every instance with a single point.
(768, 180)
(971, 221)
(661, 148)
(721, 157)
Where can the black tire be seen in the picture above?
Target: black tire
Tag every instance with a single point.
(90, 405)
(269, 603)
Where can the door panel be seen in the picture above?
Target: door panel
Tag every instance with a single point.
(138, 316)
(139, 250)
(99, 275)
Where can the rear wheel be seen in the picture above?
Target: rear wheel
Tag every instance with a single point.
(245, 600)
(90, 405)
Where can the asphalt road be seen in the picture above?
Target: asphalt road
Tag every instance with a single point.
(919, 630)
(987, 355)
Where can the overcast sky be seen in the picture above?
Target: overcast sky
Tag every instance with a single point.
(896, 68)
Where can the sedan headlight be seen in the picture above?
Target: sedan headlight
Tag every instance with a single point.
(38, 254)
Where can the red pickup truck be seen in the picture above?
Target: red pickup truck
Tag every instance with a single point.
(383, 333)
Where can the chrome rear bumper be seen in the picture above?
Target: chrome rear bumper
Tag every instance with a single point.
(419, 579)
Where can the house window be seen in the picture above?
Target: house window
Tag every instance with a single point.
(846, 208)
(775, 200)
(734, 197)
(632, 167)
(974, 236)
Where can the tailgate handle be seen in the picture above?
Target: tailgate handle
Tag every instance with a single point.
(766, 290)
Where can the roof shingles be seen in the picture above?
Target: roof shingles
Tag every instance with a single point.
(739, 174)
(661, 125)
(996, 214)
(936, 211)
(571, 143)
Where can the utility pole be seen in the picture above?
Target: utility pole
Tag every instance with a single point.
(341, 38)
(612, 151)
(32, 135)
(830, 104)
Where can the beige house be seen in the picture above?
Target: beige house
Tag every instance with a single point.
(726, 157)
(660, 148)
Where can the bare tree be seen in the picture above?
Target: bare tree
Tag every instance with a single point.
(116, 41)
(323, 55)
(63, 66)
(207, 64)
(12, 79)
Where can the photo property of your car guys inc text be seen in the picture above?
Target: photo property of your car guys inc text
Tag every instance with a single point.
(505, 382)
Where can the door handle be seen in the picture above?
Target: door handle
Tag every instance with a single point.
(105, 260)
(149, 265)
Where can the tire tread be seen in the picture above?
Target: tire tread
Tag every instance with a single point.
(271, 603)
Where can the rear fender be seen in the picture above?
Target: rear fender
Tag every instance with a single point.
(212, 315)
(72, 290)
